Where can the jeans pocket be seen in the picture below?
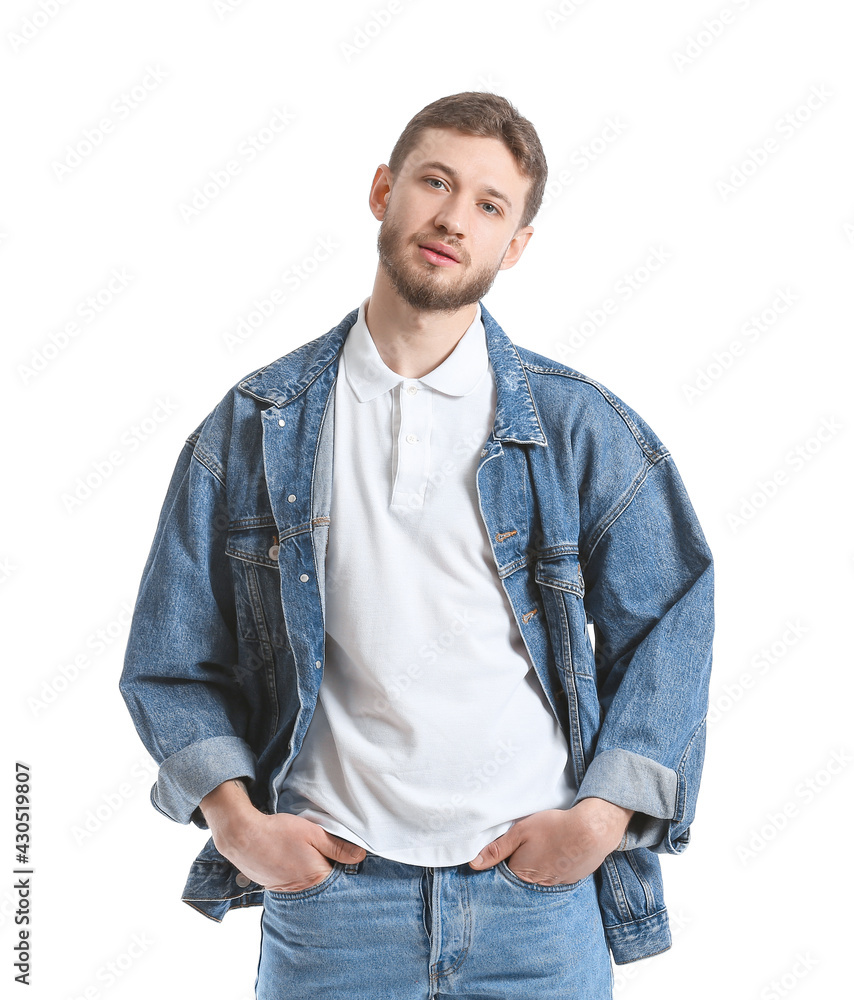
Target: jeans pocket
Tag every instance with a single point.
(511, 876)
(312, 890)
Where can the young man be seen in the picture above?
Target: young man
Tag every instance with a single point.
(376, 687)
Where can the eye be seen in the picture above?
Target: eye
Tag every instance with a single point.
(436, 179)
(490, 205)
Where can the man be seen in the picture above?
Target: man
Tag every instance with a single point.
(377, 688)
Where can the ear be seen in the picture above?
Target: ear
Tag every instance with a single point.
(516, 246)
(380, 191)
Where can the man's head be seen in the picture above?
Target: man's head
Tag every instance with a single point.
(467, 174)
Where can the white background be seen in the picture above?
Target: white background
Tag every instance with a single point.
(760, 900)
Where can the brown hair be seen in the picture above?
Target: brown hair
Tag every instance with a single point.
(485, 114)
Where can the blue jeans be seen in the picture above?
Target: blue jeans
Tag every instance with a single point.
(381, 929)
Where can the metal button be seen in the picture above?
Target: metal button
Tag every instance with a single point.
(273, 552)
(281, 423)
(291, 498)
(242, 880)
(303, 577)
(317, 664)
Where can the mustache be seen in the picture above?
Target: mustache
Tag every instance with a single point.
(419, 238)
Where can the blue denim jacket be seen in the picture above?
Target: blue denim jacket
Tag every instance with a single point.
(590, 524)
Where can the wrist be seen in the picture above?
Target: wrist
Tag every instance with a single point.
(609, 820)
(227, 809)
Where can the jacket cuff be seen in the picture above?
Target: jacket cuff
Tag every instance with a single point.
(634, 782)
(187, 776)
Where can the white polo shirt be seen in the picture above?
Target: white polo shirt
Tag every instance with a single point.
(432, 733)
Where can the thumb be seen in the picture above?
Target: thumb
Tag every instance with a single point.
(336, 847)
(497, 850)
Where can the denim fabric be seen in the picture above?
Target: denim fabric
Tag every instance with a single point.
(382, 928)
(589, 524)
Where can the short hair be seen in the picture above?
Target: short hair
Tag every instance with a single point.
(485, 114)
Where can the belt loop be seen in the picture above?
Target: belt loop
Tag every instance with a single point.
(353, 868)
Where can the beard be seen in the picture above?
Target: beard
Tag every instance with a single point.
(419, 284)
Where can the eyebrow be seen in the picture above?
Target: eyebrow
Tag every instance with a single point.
(436, 165)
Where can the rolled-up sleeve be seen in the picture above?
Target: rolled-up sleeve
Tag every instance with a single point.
(178, 677)
(649, 593)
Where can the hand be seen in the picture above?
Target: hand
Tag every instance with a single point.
(282, 852)
(559, 846)
(285, 853)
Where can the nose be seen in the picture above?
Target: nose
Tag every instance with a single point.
(450, 217)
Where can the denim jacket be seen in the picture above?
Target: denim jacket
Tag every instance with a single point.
(590, 525)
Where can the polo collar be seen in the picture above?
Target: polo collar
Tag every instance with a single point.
(284, 380)
(369, 376)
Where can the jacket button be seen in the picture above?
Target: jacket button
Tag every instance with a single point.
(303, 577)
(291, 498)
(281, 423)
(273, 552)
(242, 880)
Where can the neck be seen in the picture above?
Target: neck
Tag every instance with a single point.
(412, 342)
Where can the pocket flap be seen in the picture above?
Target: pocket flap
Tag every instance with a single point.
(256, 543)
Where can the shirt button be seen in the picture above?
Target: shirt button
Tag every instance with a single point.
(242, 880)
(303, 577)
(291, 498)
(411, 438)
(412, 389)
(273, 552)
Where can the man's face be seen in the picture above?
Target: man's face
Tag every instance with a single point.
(459, 191)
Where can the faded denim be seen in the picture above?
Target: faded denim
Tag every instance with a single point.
(589, 523)
(381, 928)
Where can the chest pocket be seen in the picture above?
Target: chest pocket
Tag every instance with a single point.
(253, 549)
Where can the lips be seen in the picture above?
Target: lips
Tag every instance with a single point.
(441, 248)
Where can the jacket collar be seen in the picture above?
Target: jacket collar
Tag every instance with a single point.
(516, 418)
